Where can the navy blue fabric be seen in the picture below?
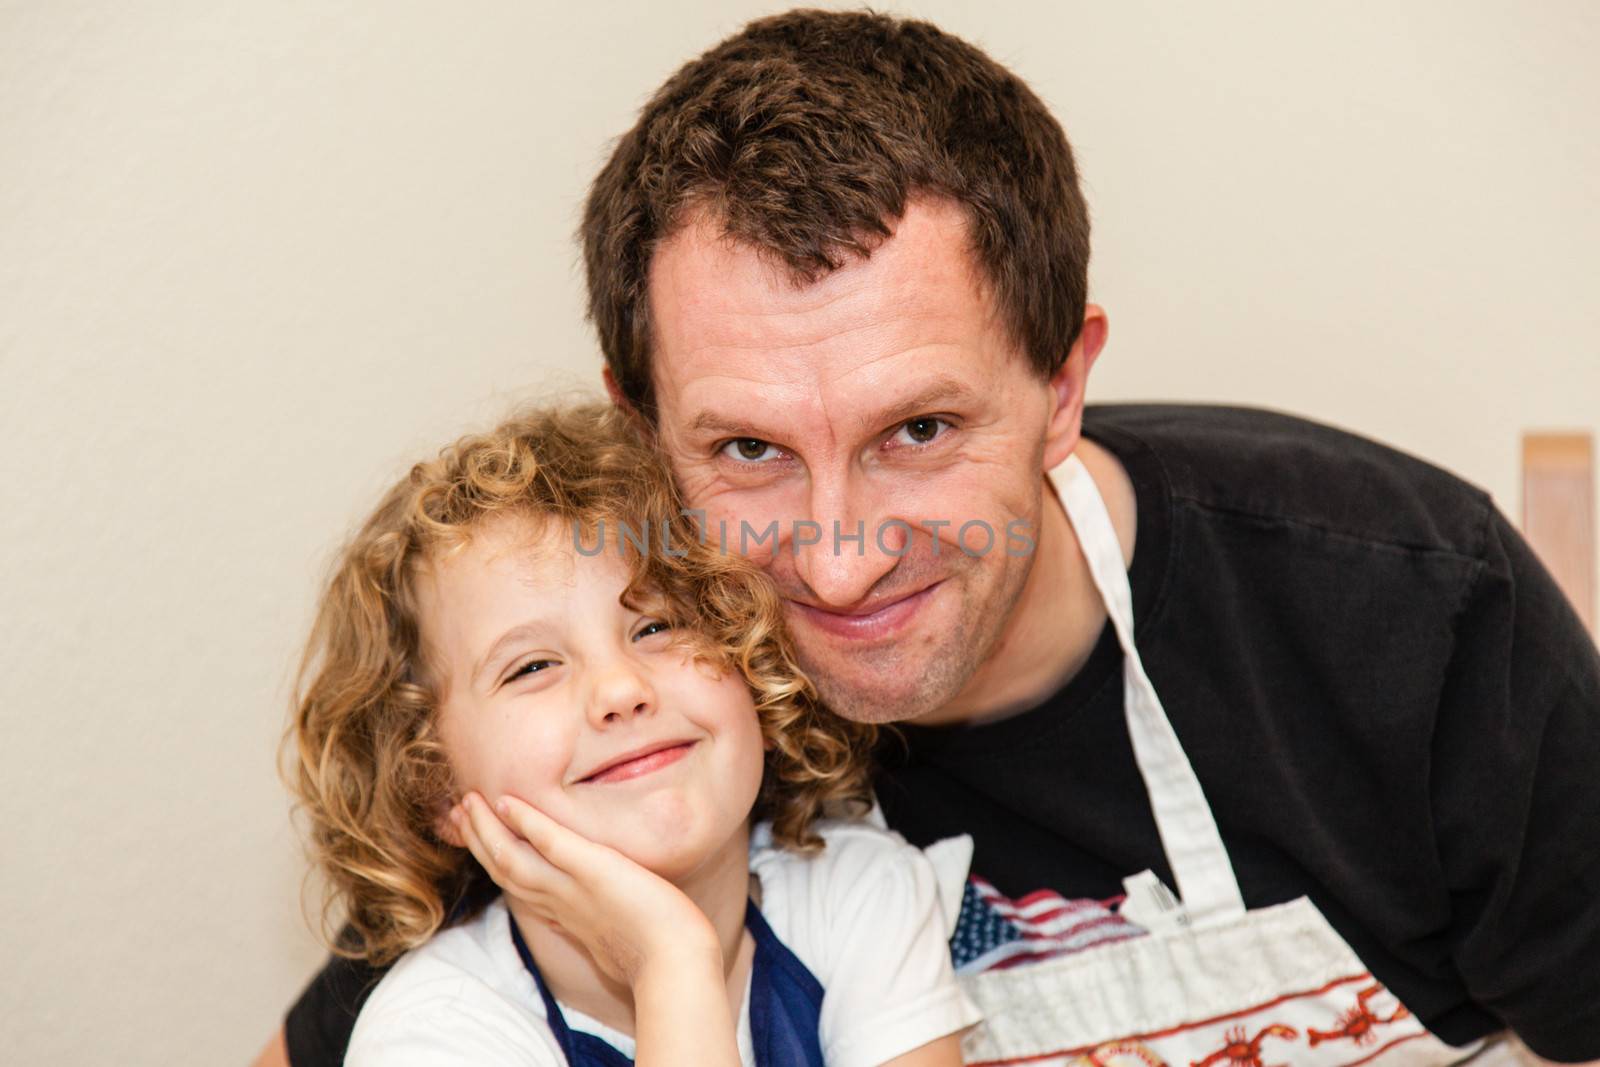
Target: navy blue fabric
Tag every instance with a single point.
(581, 1049)
(785, 1007)
(785, 1001)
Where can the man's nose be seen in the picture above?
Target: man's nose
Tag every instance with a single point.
(840, 552)
(620, 691)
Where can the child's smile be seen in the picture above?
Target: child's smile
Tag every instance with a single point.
(640, 762)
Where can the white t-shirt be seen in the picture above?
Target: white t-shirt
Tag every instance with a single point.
(863, 915)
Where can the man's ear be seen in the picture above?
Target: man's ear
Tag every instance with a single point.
(614, 391)
(622, 404)
(1067, 387)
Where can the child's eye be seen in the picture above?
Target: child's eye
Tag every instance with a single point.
(531, 667)
(650, 628)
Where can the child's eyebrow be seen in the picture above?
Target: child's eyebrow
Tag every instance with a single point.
(498, 649)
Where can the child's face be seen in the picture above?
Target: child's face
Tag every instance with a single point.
(554, 692)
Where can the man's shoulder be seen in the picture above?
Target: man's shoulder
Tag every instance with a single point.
(1267, 466)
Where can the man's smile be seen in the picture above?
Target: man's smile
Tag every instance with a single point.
(881, 621)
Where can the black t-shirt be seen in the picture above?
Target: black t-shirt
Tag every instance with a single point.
(1390, 706)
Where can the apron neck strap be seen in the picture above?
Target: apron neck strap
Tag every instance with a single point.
(1188, 831)
(580, 1049)
(785, 1002)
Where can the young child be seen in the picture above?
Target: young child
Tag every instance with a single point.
(526, 666)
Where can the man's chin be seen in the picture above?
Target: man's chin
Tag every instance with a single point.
(902, 671)
(897, 695)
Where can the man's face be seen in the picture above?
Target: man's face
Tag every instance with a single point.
(886, 399)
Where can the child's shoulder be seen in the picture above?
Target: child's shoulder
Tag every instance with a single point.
(864, 879)
(870, 916)
(857, 850)
(853, 851)
(464, 989)
(472, 951)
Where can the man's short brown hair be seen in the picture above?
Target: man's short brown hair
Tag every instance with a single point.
(804, 135)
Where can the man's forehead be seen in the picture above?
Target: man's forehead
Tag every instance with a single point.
(709, 294)
(700, 267)
(733, 332)
(700, 271)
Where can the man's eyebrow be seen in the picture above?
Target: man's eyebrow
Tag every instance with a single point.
(711, 422)
(937, 391)
(940, 390)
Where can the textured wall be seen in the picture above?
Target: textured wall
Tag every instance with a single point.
(253, 258)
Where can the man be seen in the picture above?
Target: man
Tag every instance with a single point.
(839, 267)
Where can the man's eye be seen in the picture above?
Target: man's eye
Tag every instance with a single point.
(749, 450)
(649, 629)
(920, 431)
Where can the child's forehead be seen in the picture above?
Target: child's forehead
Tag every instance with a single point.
(538, 549)
(521, 540)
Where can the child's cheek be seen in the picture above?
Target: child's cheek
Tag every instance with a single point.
(533, 765)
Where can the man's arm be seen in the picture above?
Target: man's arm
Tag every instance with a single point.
(316, 1032)
(276, 1052)
(1515, 782)
(1524, 1057)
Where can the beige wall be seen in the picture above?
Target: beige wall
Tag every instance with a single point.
(255, 257)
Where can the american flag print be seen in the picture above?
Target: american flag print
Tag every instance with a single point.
(995, 932)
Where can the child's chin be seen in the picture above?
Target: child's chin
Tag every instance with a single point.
(672, 834)
(672, 855)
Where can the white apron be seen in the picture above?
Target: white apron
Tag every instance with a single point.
(1211, 985)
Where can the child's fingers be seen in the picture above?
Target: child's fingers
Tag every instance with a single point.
(554, 842)
(474, 843)
(507, 858)
(495, 850)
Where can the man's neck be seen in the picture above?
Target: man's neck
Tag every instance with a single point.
(720, 888)
(1058, 617)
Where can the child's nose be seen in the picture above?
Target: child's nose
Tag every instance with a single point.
(621, 692)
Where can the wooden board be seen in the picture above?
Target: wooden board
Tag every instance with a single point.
(1558, 512)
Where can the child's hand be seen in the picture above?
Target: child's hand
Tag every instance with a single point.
(635, 924)
(638, 927)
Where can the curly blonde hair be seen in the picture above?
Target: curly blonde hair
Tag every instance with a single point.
(366, 762)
